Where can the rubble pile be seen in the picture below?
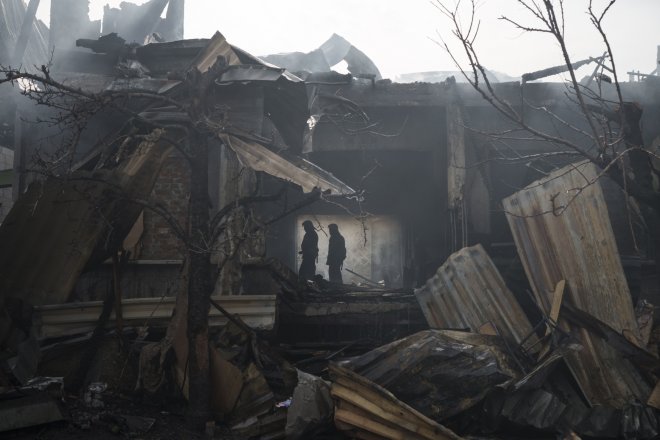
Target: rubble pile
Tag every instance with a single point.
(482, 369)
(566, 349)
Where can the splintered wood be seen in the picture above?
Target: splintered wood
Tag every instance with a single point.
(365, 410)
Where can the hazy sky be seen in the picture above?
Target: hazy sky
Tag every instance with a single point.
(397, 34)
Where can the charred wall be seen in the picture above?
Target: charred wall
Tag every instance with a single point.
(405, 185)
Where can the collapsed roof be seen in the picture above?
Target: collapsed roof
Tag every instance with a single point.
(335, 50)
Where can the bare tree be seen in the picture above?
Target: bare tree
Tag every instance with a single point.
(71, 108)
(608, 131)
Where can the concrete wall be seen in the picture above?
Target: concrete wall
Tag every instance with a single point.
(6, 163)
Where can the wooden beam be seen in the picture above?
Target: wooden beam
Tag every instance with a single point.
(26, 32)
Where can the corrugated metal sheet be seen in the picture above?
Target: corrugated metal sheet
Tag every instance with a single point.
(286, 167)
(257, 311)
(562, 230)
(469, 292)
(58, 226)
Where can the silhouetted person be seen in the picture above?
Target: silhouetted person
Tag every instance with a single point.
(336, 254)
(309, 251)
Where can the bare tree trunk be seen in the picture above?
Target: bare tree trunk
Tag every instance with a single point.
(199, 289)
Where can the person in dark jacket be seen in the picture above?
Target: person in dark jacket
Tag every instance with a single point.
(309, 251)
(336, 254)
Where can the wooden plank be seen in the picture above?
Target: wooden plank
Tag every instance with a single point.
(227, 382)
(654, 398)
(372, 426)
(386, 404)
(374, 408)
(487, 329)
(557, 298)
(364, 405)
(456, 169)
(25, 34)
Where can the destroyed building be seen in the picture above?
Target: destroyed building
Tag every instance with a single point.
(493, 286)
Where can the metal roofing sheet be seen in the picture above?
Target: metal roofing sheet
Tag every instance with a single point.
(57, 226)
(562, 230)
(468, 292)
(293, 169)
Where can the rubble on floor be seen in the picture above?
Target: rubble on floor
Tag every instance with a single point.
(27, 411)
(468, 292)
(365, 410)
(337, 361)
(438, 372)
(459, 357)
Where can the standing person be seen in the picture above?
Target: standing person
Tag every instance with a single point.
(336, 254)
(309, 251)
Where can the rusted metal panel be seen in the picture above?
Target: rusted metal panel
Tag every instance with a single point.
(12, 14)
(456, 169)
(562, 230)
(469, 292)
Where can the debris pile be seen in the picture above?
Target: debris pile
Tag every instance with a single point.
(586, 369)
(568, 351)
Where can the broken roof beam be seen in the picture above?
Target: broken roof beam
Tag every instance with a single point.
(562, 230)
(555, 70)
(17, 22)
